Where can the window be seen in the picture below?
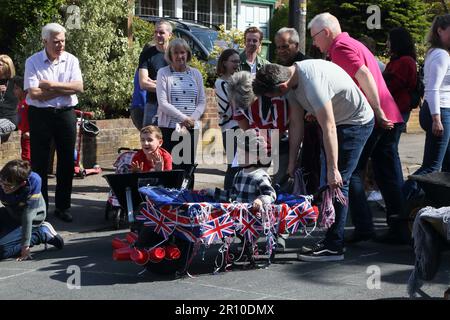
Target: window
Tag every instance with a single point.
(203, 10)
(148, 7)
(169, 8)
(218, 12)
(189, 9)
(229, 14)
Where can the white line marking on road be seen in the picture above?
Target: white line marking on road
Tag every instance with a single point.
(18, 274)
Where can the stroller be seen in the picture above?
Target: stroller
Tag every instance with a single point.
(174, 223)
(124, 197)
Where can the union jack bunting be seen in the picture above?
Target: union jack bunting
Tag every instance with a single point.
(218, 228)
(251, 227)
(158, 222)
(302, 213)
(175, 214)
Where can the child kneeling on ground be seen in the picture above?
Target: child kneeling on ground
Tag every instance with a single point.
(252, 184)
(151, 157)
(22, 218)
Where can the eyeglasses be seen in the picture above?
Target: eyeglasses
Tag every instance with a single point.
(314, 35)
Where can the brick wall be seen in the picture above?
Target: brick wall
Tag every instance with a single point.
(210, 118)
(114, 134)
(11, 149)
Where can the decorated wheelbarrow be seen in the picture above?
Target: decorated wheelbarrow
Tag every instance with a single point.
(126, 197)
(176, 223)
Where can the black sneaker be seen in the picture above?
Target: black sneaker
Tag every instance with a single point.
(322, 253)
(316, 246)
(312, 247)
(64, 215)
(52, 237)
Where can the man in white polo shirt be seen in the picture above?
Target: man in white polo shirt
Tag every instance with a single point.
(53, 78)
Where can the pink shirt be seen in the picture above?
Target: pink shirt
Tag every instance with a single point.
(350, 55)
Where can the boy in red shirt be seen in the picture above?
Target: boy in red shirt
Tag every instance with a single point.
(151, 157)
(22, 115)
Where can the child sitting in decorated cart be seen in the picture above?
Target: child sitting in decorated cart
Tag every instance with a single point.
(176, 222)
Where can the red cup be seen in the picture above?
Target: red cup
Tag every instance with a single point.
(118, 243)
(172, 252)
(157, 254)
(139, 256)
(122, 254)
(131, 237)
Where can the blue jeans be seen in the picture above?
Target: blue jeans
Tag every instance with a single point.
(405, 116)
(150, 110)
(11, 236)
(436, 155)
(382, 147)
(351, 140)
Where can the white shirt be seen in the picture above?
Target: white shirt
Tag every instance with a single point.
(437, 80)
(64, 69)
(252, 67)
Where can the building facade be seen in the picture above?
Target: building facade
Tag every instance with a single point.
(238, 14)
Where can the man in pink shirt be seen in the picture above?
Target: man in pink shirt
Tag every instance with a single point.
(382, 145)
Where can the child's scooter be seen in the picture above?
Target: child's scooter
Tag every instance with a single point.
(85, 127)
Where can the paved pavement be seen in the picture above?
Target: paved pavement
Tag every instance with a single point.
(52, 274)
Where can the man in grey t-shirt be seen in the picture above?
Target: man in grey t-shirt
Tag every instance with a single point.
(321, 81)
(346, 118)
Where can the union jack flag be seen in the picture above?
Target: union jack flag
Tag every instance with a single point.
(177, 215)
(218, 228)
(159, 223)
(251, 227)
(302, 213)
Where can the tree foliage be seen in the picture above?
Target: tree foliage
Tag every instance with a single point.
(413, 15)
(17, 15)
(143, 31)
(107, 61)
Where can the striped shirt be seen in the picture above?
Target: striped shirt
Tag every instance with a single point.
(183, 94)
(223, 105)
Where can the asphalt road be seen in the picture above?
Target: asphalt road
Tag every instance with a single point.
(84, 269)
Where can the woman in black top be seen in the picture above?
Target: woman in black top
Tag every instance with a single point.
(8, 102)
